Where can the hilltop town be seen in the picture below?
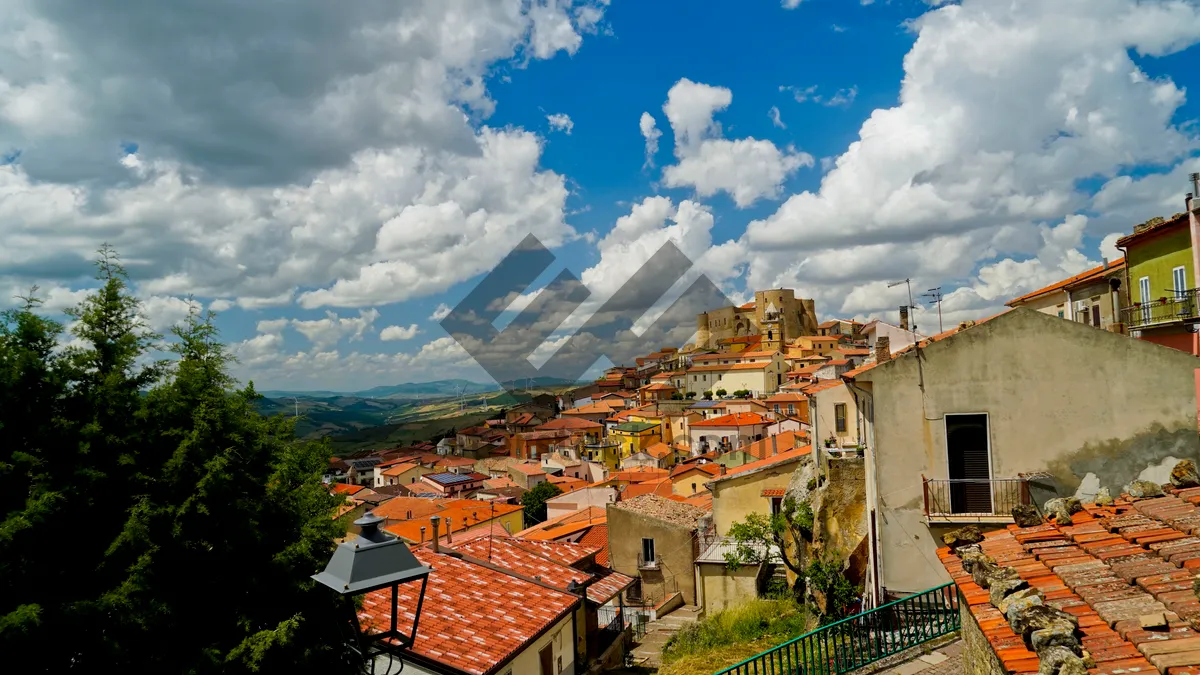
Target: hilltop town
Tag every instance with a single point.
(706, 475)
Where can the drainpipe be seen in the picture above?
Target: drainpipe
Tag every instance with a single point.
(1193, 209)
(1128, 288)
(1070, 306)
(875, 556)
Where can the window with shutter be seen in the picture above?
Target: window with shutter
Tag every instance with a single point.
(969, 463)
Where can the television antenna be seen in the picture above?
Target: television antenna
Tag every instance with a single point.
(935, 294)
(908, 284)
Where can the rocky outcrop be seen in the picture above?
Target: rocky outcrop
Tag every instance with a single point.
(963, 536)
(1061, 509)
(1184, 475)
(1026, 515)
(1145, 488)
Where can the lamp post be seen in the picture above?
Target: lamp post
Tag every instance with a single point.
(374, 561)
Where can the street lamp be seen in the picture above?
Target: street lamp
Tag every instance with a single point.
(374, 561)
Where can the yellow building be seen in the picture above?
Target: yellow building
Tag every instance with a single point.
(759, 372)
(756, 487)
(635, 436)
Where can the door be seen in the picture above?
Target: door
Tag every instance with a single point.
(546, 656)
(1144, 293)
(1096, 315)
(969, 463)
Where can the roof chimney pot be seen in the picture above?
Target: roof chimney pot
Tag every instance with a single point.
(904, 317)
(449, 536)
(435, 521)
(883, 349)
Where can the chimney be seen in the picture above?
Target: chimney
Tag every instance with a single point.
(1195, 178)
(422, 535)
(774, 446)
(722, 470)
(1106, 263)
(904, 317)
(883, 349)
(449, 529)
(435, 521)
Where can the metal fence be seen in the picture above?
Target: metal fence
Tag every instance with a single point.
(862, 639)
(970, 497)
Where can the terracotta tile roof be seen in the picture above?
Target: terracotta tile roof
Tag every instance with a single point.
(1098, 272)
(568, 484)
(667, 510)
(661, 487)
(594, 408)
(346, 488)
(597, 537)
(572, 423)
(659, 450)
(464, 514)
(658, 386)
(455, 461)
(1179, 220)
(1109, 567)
(710, 468)
(774, 460)
(781, 443)
(702, 501)
(837, 362)
(505, 552)
(733, 420)
(498, 483)
(731, 366)
(561, 552)
(773, 492)
(607, 584)
(523, 419)
(529, 469)
(399, 469)
(822, 385)
(397, 508)
(565, 524)
(854, 351)
(473, 618)
(786, 397)
(822, 338)
(758, 353)
(640, 474)
(545, 435)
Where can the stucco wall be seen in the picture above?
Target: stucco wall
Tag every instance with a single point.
(1155, 258)
(736, 497)
(721, 587)
(1089, 407)
(825, 419)
(675, 548)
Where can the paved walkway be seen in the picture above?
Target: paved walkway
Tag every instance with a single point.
(945, 660)
(648, 651)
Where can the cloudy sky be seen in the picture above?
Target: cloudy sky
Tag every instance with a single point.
(331, 177)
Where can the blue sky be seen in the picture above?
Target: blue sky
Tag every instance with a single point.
(316, 206)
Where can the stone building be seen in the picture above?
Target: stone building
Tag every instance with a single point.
(777, 315)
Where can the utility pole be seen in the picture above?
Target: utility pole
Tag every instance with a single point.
(935, 294)
(908, 284)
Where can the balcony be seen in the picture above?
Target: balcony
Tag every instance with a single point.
(1179, 307)
(961, 500)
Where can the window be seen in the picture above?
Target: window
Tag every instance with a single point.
(839, 416)
(1179, 281)
(791, 409)
(648, 558)
(776, 408)
(1144, 294)
(776, 505)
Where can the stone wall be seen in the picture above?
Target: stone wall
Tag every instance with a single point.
(978, 657)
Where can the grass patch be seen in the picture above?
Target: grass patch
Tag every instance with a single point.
(737, 633)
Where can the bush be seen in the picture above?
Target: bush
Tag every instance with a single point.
(676, 396)
(755, 620)
(721, 393)
(690, 395)
(708, 396)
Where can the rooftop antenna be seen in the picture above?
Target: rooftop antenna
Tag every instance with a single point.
(917, 342)
(935, 294)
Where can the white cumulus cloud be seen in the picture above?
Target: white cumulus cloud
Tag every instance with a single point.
(395, 333)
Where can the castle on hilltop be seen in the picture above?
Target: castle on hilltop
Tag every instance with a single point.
(776, 315)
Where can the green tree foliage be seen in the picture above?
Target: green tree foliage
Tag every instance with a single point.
(708, 395)
(721, 393)
(828, 583)
(756, 538)
(152, 521)
(534, 502)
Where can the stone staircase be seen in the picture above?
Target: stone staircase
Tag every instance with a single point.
(648, 650)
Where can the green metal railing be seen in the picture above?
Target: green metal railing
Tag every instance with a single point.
(862, 639)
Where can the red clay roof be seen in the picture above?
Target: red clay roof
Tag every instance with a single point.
(399, 469)
(781, 458)
(572, 423)
(767, 448)
(733, 420)
(529, 469)
(661, 487)
(773, 492)
(565, 524)
(731, 366)
(1111, 566)
(506, 553)
(597, 537)
(473, 618)
(1097, 272)
(346, 488)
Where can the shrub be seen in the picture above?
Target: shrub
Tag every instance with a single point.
(721, 393)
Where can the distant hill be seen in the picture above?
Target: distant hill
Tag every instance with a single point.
(416, 390)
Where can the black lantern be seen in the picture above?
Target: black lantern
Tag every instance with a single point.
(374, 561)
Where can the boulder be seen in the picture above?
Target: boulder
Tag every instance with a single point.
(1016, 595)
(1103, 498)
(1059, 635)
(999, 589)
(972, 556)
(1026, 515)
(1063, 519)
(1073, 505)
(1061, 509)
(1058, 660)
(1184, 475)
(962, 537)
(1038, 616)
(1017, 609)
(1145, 488)
(986, 574)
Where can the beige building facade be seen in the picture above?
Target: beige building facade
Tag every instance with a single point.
(777, 315)
(1023, 403)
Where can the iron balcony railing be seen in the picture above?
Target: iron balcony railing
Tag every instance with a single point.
(862, 639)
(969, 498)
(1178, 306)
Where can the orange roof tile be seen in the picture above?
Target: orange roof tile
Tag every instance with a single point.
(1098, 272)
(346, 488)
(773, 492)
(597, 537)
(567, 523)
(773, 445)
(640, 474)
(399, 469)
(781, 458)
(709, 468)
(661, 487)
(822, 385)
(731, 366)
(505, 552)
(659, 450)
(529, 469)
(733, 420)
(463, 515)
(473, 618)
(568, 484)
(594, 408)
